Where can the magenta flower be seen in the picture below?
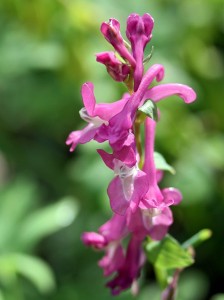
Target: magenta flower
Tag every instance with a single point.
(117, 70)
(111, 32)
(120, 124)
(154, 222)
(109, 238)
(130, 270)
(155, 198)
(130, 183)
(139, 33)
(94, 114)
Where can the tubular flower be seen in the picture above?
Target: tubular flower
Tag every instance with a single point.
(111, 32)
(130, 183)
(117, 70)
(94, 114)
(139, 33)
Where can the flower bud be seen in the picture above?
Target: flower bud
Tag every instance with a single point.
(117, 70)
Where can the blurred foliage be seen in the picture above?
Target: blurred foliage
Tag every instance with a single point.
(47, 51)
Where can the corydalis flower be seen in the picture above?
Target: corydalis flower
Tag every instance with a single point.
(139, 33)
(130, 183)
(117, 70)
(108, 239)
(119, 126)
(111, 32)
(94, 114)
(129, 271)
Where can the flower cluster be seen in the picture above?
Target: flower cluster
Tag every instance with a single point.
(140, 207)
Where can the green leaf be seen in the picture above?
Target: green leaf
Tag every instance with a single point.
(149, 108)
(35, 270)
(168, 254)
(161, 163)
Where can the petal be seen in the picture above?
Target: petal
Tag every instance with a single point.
(141, 186)
(119, 204)
(172, 195)
(114, 229)
(161, 224)
(137, 25)
(93, 239)
(127, 193)
(139, 31)
(113, 260)
(162, 91)
(81, 136)
(107, 158)
(130, 270)
(111, 32)
(155, 72)
(117, 70)
(88, 97)
(107, 110)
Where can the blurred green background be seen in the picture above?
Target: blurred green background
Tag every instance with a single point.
(49, 196)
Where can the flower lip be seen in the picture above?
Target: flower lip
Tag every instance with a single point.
(96, 121)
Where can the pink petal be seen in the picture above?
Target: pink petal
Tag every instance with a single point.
(107, 110)
(119, 204)
(107, 158)
(81, 136)
(118, 200)
(93, 239)
(113, 260)
(161, 224)
(88, 97)
(172, 195)
(162, 91)
(114, 229)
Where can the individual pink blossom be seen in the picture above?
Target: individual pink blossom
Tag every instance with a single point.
(129, 272)
(108, 239)
(153, 222)
(139, 33)
(130, 183)
(155, 198)
(119, 126)
(111, 32)
(117, 70)
(94, 114)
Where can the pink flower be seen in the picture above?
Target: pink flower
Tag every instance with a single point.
(154, 222)
(109, 238)
(120, 124)
(155, 198)
(117, 70)
(129, 272)
(94, 114)
(111, 32)
(139, 33)
(130, 183)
